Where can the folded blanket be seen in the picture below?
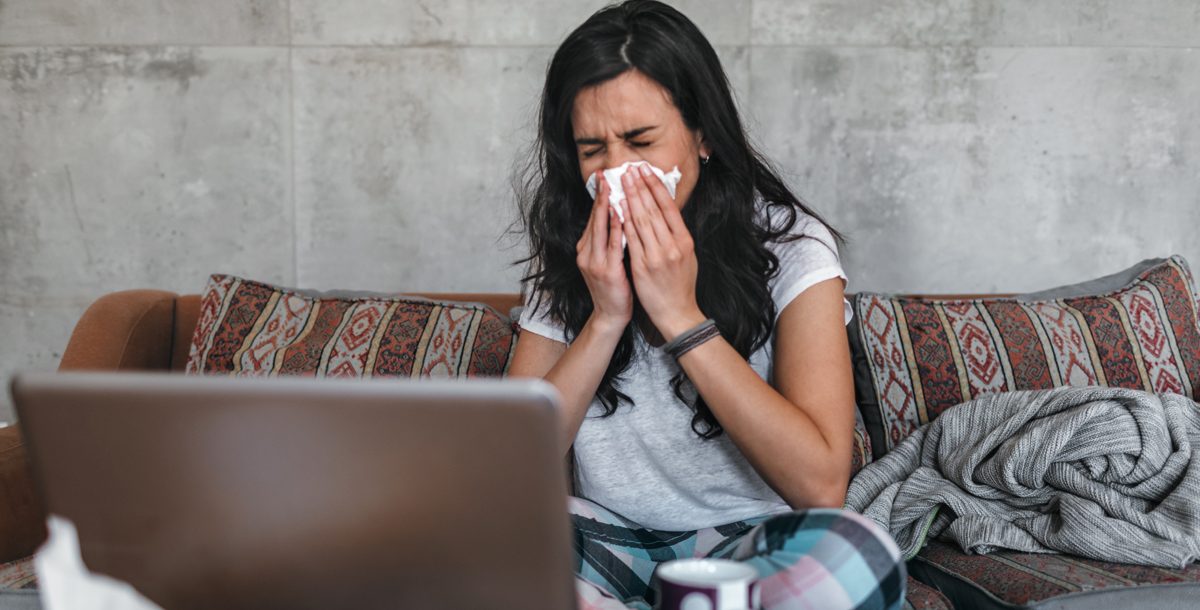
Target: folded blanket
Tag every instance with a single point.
(1104, 473)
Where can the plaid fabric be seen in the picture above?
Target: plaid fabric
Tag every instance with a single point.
(819, 558)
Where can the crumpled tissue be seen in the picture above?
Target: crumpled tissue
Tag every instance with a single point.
(616, 191)
(65, 583)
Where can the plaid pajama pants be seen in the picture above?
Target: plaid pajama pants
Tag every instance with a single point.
(818, 558)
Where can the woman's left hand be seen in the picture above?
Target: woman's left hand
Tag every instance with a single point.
(662, 255)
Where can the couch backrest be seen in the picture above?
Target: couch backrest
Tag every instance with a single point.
(152, 329)
(187, 312)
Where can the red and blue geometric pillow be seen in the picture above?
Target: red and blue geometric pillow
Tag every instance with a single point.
(251, 328)
(914, 358)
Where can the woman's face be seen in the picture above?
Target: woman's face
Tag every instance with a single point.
(632, 118)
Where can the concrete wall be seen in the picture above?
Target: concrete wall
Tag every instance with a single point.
(963, 145)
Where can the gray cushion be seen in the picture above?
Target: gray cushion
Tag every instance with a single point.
(1100, 285)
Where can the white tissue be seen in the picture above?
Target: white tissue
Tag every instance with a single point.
(616, 191)
(66, 583)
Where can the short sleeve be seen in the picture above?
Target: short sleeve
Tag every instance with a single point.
(538, 320)
(806, 261)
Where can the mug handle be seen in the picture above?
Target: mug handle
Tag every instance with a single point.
(755, 593)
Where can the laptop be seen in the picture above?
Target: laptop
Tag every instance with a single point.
(288, 492)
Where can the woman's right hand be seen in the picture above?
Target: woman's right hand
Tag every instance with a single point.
(601, 259)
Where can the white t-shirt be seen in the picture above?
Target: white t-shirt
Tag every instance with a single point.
(644, 462)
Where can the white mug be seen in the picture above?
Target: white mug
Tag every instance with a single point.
(706, 584)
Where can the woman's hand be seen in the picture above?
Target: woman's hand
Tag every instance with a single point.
(662, 254)
(602, 262)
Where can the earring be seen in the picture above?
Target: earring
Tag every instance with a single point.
(704, 160)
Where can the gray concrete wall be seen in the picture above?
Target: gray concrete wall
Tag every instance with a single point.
(963, 145)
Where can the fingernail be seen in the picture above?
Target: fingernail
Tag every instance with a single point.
(645, 170)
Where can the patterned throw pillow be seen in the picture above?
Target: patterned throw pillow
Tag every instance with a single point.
(861, 454)
(914, 358)
(251, 328)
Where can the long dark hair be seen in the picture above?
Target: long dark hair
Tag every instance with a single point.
(734, 262)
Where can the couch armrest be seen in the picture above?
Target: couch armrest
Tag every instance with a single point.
(22, 524)
(126, 330)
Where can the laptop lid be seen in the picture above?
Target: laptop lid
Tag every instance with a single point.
(207, 492)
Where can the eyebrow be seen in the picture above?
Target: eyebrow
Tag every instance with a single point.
(628, 135)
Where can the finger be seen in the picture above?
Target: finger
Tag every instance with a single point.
(601, 199)
(601, 195)
(599, 221)
(602, 191)
(585, 240)
(649, 252)
(665, 202)
(615, 255)
(653, 237)
(637, 252)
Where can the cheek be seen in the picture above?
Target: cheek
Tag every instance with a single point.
(681, 154)
(587, 167)
(687, 183)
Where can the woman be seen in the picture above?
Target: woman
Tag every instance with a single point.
(690, 439)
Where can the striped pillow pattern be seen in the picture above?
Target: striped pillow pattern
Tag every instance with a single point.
(860, 455)
(251, 328)
(915, 358)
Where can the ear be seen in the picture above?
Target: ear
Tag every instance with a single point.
(702, 144)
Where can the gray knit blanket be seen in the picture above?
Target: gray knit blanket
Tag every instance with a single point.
(1104, 473)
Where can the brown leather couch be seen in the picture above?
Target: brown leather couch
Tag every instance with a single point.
(129, 330)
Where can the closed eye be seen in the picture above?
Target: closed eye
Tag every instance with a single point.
(588, 154)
